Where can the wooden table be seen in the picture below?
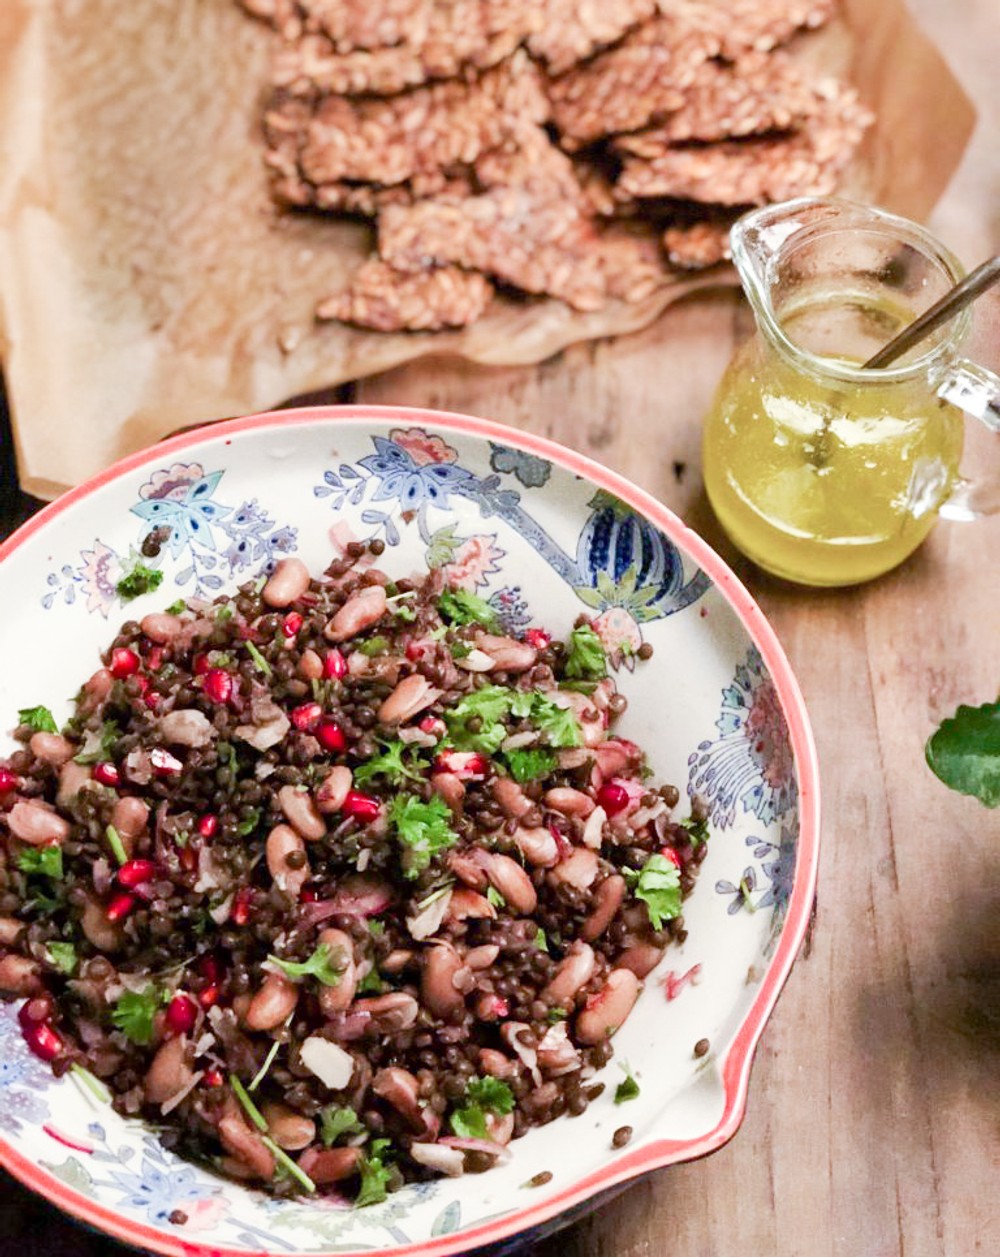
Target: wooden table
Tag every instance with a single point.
(872, 1126)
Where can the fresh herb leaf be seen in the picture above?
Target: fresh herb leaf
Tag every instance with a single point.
(326, 965)
(63, 956)
(98, 744)
(403, 612)
(698, 830)
(374, 1174)
(177, 608)
(658, 885)
(39, 719)
(469, 1122)
(628, 1089)
(133, 1014)
(482, 1096)
(42, 861)
(540, 940)
(374, 646)
(530, 763)
(286, 1165)
(556, 1014)
(258, 658)
(224, 613)
(585, 657)
(495, 898)
(964, 753)
(116, 845)
(140, 580)
(371, 983)
(335, 1122)
(579, 687)
(459, 606)
(247, 826)
(424, 829)
(376, 927)
(391, 765)
(557, 724)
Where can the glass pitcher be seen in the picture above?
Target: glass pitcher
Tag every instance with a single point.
(819, 471)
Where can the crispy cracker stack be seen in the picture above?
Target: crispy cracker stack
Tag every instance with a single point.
(575, 148)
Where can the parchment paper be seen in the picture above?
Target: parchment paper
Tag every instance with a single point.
(148, 283)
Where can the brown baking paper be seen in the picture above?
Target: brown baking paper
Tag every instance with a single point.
(148, 283)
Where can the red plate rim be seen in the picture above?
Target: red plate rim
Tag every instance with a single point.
(735, 1066)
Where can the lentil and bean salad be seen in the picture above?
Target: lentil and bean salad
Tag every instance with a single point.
(336, 882)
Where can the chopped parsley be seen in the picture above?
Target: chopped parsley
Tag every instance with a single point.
(116, 845)
(530, 763)
(540, 940)
(495, 898)
(258, 658)
(335, 1122)
(459, 606)
(374, 646)
(372, 983)
(476, 723)
(423, 829)
(558, 724)
(62, 956)
(177, 608)
(585, 658)
(374, 1174)
(43, 861)
(628, 1088)
(658, 885)
(98, 744)
(403, 611)
(556, 1014)
(326, 965)
(38, 719)
(133, 1014)
(391, 765)
(140, 580)
(698, 830)
(482, 1096)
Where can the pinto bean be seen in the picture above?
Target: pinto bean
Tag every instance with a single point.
(573, 972)
(130, 816)
(608, 899)
(187, 727)
(36, 823)
(169, 1070)
(287, 583)
(331, 794)
(19, 975)
(301, 812)
(276, 998)
(642, 958)
(465, 904)
(359, 612)
(104, 934)
(538, 846)
(10, 931)
(483, 956)
(290, 1130)
(507, 876)
(51, 748)
(72, 778)
(578, 869)
(569, 802)
(282, 842)
(512, 799)
(606, 1011)
(450, 787)
(398, 1087)
(329, 1165)
(245, 1144)
(310, 666)
(162, 627)
(96, 691)
(467, 870)
(508, 654)
(391, 1012)
(440, 964)
(410, 696)
(396, 961)
(496, 1064)
(334, 999)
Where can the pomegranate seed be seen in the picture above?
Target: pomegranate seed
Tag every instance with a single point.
(119, 907)
(362, 807)
(613, 798)
(154, 658)
(209, 996)
(330, 736)
(305, 716)
(291, 624)
(334, 665)
(164, 764)
(135, 872)
(124, 663)
(212, 1078)
(433, 725)
(671, 855)
(465, 765)
(152, 700)
(188, 858)
(107, 774)
(181, 1014)
(208, 825)
(309, 896)
(242, 904)
(538, 638)
(208, 967)
(43, 1041)
(218, 685)
(8, 780)
(414, 651)
(36, 1010)
(563, 844)
(200, 664)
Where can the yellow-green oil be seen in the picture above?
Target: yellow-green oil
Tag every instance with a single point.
(824, 481)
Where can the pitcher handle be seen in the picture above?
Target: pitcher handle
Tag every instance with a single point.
(976, 390)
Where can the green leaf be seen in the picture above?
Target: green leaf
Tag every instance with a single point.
(965, 752)
(628, 1089)
(326, 965)
(558, 724)
(469, 1122)
(372, 983)
(585, 656)
(482, 1096)
(140, 580)
(98, 744)
(39, 719)
(374, 646)
(335, 1122)
(133, 1014)
(391, 765)
(530, 763)
(63, 956)
(459, 606)
(374, 1175)
(177, 608)
(423, 829)
(698, 830)
(41, 861)
(658, 885)
(495, 898)
(540, 940)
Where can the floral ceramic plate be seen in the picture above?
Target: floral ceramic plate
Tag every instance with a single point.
(543, 534)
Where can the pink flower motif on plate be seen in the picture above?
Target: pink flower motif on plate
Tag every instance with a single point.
(765, 728)
(204, 1214)
(99, 577)
(422, 447)
(620, 634)
(172, 482)
(473, 562)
